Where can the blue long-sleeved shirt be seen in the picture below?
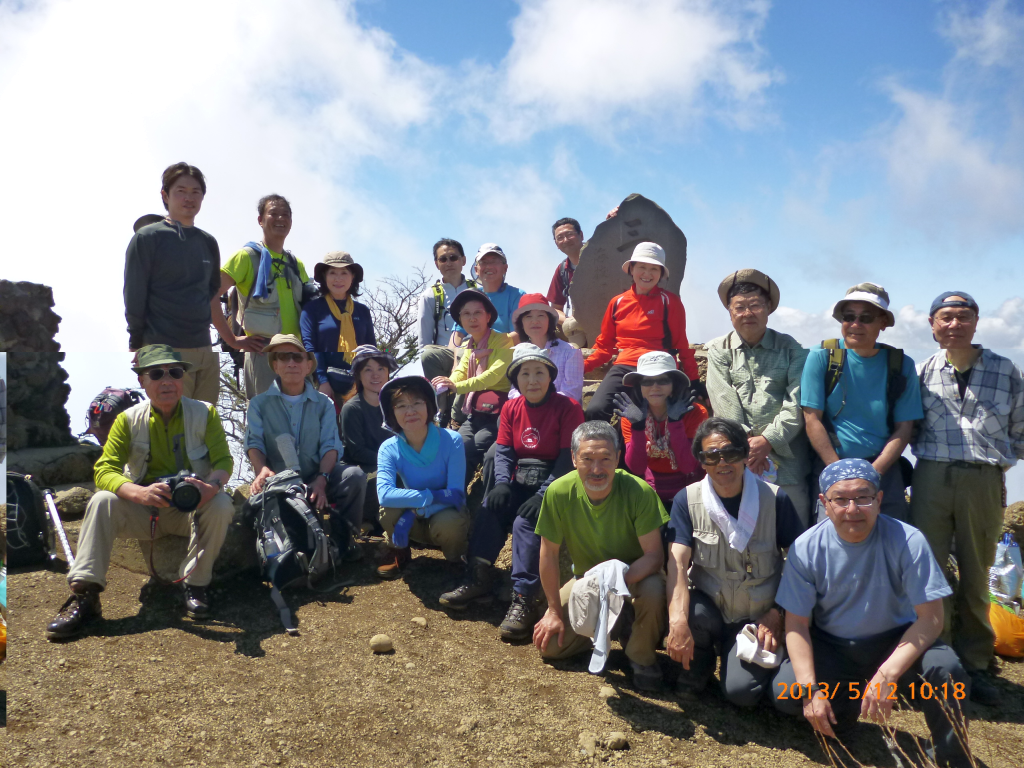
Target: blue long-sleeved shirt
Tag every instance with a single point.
(446, 472)
(320, 333)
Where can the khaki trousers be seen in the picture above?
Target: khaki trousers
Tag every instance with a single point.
(446, 529)
(109, 517)
(203, 381)
(649, 624)
(962, 504)
(257, 374)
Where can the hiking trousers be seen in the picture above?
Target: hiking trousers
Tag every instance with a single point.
(257, 374)
(960, 503)
(203, 381)
(602, 404)
(346, 490)
(648, 598)
(109, 517)
(446, 529)
(491, 528)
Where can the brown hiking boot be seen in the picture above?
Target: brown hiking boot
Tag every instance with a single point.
(394, 563)
(82, 607)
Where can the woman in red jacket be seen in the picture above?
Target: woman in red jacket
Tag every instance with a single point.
(645, 318)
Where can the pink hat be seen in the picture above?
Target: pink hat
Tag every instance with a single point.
(532, 301)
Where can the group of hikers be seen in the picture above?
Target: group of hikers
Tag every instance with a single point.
(774, 535)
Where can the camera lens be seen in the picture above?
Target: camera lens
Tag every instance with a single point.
(185, 496)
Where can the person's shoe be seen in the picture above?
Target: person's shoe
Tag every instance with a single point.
(197, 602)
(646, 678)
(983, 690)
(522, 615)
(353, 554)
(477, 588)
(81, 608)
(394, 563)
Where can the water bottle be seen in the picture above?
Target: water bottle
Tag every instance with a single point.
(270, 548)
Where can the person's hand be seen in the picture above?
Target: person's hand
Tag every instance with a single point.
(680, 643)
(757, 466)
(499, 496)
(769, 630)
(156, 495)
(206, 490)
(818, 712)
(257, 484)
(530, 509)
(325, 388)
(449, 497)
(627, 409)
(442, 381)
(549, 626)
(318, 492)
(612, 213)
(247, 343)
(586, 352)
(759, 447)
(688, 400)
(876, 704)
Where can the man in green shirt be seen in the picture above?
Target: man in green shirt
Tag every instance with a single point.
(269, 282)
(602, 514)
(155, 439)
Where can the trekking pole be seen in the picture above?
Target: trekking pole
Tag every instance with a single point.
(59, 527)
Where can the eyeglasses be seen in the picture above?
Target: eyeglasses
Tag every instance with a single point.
(863, 502)
(742, 309)
(290, 357)
(964, 318)
(865, 318)
(661, 381)
(446, 259)
(158, 373)
(731, 455)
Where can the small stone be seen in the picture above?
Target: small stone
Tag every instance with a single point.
(420, 622)
(410, 665)
(467, 725)
(588, 743)
(381, 644)
(616, 740)
(268, 721)
(607, 692)
(63, 662)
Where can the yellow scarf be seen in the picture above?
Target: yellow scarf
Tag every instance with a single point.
(346, 330)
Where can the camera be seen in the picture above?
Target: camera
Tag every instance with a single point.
(184, 496)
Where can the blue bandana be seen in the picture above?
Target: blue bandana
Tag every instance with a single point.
(848, 469)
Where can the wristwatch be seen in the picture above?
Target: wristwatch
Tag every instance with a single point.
(219, 483)
(326, 476)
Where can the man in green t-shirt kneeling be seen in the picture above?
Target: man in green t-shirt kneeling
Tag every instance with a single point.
(603, 513)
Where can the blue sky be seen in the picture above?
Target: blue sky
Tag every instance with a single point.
(825, 143)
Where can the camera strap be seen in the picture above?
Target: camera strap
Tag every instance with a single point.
(154, 518)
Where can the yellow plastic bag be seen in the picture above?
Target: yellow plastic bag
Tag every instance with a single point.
(1009, 629)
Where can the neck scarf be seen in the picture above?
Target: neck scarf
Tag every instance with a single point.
(426, 455)
(478, 356)
(346, 330)
(265, 273)
(658, 446)
(739, 530)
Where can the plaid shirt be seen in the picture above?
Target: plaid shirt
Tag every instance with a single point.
(986, 426)
(759, 387)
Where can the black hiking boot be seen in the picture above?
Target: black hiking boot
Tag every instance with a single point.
(477, 588)
(82, 607)
(983, 689)
(522, 615)
(197, 602)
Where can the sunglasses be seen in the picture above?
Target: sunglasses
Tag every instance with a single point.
(158, 373)
(290, 357)
(661, 381)
(730, 455)
(446, 259)
(865, 318)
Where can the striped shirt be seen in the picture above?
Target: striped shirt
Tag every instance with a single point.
(986, 426)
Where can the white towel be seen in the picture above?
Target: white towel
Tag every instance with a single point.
(748, 649)
(595, 604)
(737, 530)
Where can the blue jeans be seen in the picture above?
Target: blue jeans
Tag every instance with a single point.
(490, 530)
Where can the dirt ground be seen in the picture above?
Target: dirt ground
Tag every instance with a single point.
(147, 686)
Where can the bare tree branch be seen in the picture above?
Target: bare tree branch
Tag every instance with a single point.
(394, 305)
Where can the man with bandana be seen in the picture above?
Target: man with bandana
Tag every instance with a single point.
(874, 591)
(972, 432)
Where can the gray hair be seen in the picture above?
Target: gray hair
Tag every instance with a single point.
(594, 430)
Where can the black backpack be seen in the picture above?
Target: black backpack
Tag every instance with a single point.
(104, 409)
(30, 536)
(293, 541)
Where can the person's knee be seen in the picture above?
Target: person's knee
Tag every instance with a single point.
(649, 593)
(219, 509)
(102, 502)
(742, 690)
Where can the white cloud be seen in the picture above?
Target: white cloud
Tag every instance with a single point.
(601, 64)
(995, 37)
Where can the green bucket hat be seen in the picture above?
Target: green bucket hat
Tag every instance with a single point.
(152, 355)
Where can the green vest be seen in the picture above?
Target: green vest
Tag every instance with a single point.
(195, 414)
(276, 424)
(742, 584)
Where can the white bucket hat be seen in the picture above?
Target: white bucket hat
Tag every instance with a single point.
(653, 364)
(648, 253)
(870, 293)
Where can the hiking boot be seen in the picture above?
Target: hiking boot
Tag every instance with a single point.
(394, 563)
(692, 683)
(197, 602)
(646, 678)
(983, 689)
(477, 588)
(82, 607)
(522, 615)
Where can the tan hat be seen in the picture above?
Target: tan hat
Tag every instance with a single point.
(336, 259)
(760, 279)
(284, 340)
(869, 293)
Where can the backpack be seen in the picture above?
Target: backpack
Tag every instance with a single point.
(292, 541)
(667, 340)
(104, 409)
(895, 385)
(30, 535)
(439, 310)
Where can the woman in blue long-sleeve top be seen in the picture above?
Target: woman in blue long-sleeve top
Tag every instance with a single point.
(421, 476)
(334, 324)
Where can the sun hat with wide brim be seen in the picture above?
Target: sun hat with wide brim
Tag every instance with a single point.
(420, 384)
(869, 293)
(471, 294)
(153, 355)
(336, 260)
(760, 279)
(532, 301)
(653, 364)
(647, 253)
(525, 353)
(285, 340)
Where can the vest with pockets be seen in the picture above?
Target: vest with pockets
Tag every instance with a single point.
(195, 414)
(742, 584)
(439, 307)
(895, 383)
(262, 317)
(277, 423)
